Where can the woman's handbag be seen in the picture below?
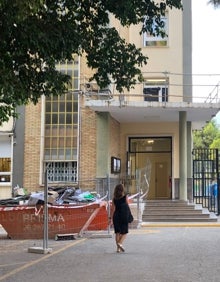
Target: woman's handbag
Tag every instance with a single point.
(130, 216)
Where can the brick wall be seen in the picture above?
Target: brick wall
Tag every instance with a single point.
(32, 147)
(87, 146)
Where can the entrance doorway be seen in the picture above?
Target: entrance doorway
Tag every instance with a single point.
(158, 152)
(161, 180)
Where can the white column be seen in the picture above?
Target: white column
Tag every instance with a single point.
(182, 156)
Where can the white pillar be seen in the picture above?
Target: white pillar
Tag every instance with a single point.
(182, 156)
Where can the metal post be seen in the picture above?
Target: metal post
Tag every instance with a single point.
(45, 242)
(138, 191)
(218, 181)
(109, 208)
(45, 248)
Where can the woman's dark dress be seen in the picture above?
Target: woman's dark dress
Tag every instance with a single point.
(120, 216)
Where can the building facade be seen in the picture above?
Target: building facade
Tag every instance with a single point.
(142, 137)
(6, 157)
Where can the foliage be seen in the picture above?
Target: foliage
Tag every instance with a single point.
(35, 34)
(208, 137)
(215, 3)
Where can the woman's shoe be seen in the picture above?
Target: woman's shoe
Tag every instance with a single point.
(120, 247)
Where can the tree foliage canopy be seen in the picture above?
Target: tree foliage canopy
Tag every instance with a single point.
(215, 3)
(208, 137)
(35, 34)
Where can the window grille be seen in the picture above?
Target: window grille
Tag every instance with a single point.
(62, 171)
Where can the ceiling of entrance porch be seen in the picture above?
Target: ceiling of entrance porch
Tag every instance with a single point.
(198, 113)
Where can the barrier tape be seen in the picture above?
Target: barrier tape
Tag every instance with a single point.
(67, 206)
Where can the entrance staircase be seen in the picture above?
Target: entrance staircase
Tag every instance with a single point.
(175, 211)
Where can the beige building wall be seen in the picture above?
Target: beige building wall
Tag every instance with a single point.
(151, 130)
(101, 137)
(115, 138)
(5, 192)
(7, 126)
(163, 59)
(85, 72)
(115, 141)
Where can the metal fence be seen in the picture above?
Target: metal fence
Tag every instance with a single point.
(206, 178)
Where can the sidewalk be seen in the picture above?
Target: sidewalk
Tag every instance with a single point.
(153, 254)
(3, 233)
(182, 224)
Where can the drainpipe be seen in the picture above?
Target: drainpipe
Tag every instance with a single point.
(182, 156)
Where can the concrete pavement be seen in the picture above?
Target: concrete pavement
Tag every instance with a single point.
(153, 253)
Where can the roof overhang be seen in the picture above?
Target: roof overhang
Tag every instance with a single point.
(136, 112)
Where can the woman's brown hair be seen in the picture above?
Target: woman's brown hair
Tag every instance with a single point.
(119, 191)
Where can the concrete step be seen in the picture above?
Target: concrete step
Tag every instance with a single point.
(163, 203)
(164, 208)
(174, 210)
(171, 212)
(180, 219)
(162, 216)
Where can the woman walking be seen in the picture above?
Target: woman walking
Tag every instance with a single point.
(120, 216)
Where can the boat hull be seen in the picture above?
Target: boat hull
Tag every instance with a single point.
(27, 222)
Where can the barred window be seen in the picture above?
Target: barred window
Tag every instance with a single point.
(62, 171)
(61, 128)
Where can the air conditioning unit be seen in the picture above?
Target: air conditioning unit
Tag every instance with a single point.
(92, 88)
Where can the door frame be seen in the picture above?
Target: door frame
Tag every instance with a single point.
(154, 156)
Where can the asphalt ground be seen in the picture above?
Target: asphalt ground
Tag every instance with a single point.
(162, 253)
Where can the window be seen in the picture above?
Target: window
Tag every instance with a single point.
(150, 144)
(5, 159)
(156, 90)
(5, 170)
(151, 40)
(115, 165)
(62, 171)
(61, 129)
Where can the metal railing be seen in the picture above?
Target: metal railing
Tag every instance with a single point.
(213, 96)
(206, 178)
(110, 94)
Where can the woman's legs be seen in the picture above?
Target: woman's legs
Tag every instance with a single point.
(117, 239)
(122, 238)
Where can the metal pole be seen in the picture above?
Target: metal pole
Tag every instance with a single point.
(45, 249)
(109, 211)
(45, 241)
(138, 191)
(218, 181)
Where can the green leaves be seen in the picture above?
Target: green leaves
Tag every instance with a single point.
(208, 137)
(215, 3)
(115, 60)
(36, 34)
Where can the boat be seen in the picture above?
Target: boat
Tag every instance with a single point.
(27, 222)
